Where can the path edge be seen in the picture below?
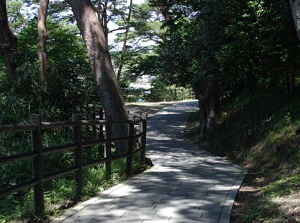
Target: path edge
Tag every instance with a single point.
(228, 205)
(78, 207)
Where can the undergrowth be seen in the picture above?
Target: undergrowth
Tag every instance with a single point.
(261, 133)
(59, 193)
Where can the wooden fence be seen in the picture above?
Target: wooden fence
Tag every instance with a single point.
(155, 95)
(136, 140)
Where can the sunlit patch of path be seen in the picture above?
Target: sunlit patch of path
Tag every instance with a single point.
(185, 185)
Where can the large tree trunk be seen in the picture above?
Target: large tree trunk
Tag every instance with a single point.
(273, 71)
(208, 100)
(286, 82)
(124, 42)
(292, 78)
(97, 49)
(42, 32)
(289, 80)
(8, 41)
(295, 8)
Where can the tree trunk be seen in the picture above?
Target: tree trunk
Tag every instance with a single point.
(295, 8)
(292, 79)
(124, 43)
(104, 20)
(8, 41)
(287, 82)
(164, 10)
(250, 73)
(203, 111)
(42, 33)
(249, 79)
(203, 117)
(97, 49)
(273, 71)
(208, 100)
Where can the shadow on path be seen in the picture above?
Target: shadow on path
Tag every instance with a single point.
(185, 185)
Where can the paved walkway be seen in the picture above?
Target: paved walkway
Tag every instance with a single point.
(186, 184)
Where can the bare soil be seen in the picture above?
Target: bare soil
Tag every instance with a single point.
(247, 195)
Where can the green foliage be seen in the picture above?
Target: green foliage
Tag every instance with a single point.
(143, 25)
(59, 193)
(18, 15)
(255, 126)
(70, 85)
(264, 208)
(158, 84)
(69, 79)
(237, 43)
(144, 32)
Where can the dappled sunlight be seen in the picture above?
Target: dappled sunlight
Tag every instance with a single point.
(186, 184)
(289, 205)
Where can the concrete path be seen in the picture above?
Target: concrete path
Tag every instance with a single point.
(186, 184)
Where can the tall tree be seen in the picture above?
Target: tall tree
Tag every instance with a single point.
(42, 32)
(295, 8)
(8, 41)
(193, 42)
(125, 41)
(97, 50)
(145, 26)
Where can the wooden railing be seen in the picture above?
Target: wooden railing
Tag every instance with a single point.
(136, 140)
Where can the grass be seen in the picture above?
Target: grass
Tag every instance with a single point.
(279, 185)
(59, 193)
(259, 132)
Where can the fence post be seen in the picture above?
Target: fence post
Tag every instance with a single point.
(143, 152)
(94, 118)
(101, 126)
(130, 148)
(78, 155)
(101, 133)
(37, 146)
(107, 151)
(140, 129)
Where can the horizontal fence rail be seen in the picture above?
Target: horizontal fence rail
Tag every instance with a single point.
(136, 143)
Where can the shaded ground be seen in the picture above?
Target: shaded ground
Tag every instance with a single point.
(264, 199)
(246, 196)
(263, 135)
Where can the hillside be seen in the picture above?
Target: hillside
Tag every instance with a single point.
(260, 133)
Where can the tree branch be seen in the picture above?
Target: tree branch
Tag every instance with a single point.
(114, 30)
(124, 43)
